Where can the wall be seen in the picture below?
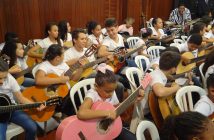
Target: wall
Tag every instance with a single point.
(28, 17)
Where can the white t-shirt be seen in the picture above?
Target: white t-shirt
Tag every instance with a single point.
(204, 106)
(21, 62)
(72, 53)
(69, 37)
(46, 42)
(154, 32)
(123, 28)
(94, 40)
(111, 44)
(209, 34)
(2, 45)
(92, 93)
(184, 48)
(158, 77)
(9, 87)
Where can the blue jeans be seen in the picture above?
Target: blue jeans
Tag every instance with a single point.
(28, 82)
(22, 119)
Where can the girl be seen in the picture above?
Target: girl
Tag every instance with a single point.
(94, 32)
(105, 85)
(146, 34)
(187, 126)
(51, 33)
(15, 51)
(64, 34)
(127, 27)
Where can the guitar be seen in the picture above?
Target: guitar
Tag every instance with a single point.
(101, 129)
(119, 61)
(202, 50)
(212, 117)
(184, 67)
(6, 107)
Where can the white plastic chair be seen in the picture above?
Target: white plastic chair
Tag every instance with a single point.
(174, 44)
(179, 41)
(147, 125)
(184, 38)
(132, 41)
(77, 89)
(138, 61)
(184, 97)
(13, 130)
(154, 52)
(202, 75)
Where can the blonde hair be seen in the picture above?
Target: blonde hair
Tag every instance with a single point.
(129, 20)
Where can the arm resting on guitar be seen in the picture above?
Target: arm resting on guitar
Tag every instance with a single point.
(43, 80)
(72, 61)
(162, 91)
(76, 75)
(85, 112)
(33, 52)
(102, 51)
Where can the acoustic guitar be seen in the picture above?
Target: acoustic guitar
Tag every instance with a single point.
(184, 67)
(100, 129)
(6, 107)
(212, 117)
(119, 61)
(202, 50)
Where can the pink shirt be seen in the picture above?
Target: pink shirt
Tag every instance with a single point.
(122, 28)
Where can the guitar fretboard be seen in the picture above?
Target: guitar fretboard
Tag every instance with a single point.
(10, 108)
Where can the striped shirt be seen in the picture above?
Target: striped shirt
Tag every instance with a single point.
(179, 19)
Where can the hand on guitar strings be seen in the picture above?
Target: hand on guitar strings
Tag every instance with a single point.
(63, 79)
(83, 61)
(41, 107)
(111, 114)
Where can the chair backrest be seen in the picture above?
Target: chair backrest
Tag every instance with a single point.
(147, 125)
(184, 97)
(81, 88)
(184, 38)
(154, 52)
(132, 41)
(180, 41)
(140, 60)
(13, 130)
(202, 76)
(174, 44)
(130, 76)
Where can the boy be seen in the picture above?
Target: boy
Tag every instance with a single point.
(10, 87)
(205, 105)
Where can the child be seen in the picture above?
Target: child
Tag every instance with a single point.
(51, 33)
(105, 85)
(15, 51)
(205, 105)
(127, 27)
(146, 34)
(10, 87)
(64, 33)
(94, 32)
(187, 126)
(168, 63)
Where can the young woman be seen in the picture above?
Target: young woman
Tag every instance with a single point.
(127, 27)
(64, 33)
(105, 85)
(15, 51)
(187, 126)
(94, 32)
(51, 33)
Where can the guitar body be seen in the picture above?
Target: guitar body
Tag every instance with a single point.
(20, 80)
(71, 127)
(168, 106)
(5, 101)
(37, 94)
(31, 61)
(212, 117)
(184, 68)
(116, 64)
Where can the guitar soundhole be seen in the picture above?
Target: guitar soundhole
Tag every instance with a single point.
(103, 125)
(52, 90)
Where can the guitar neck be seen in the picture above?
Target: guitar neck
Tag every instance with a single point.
(133, 51)
(205, 47)
(91, 64)
(127, 102)
(197, 59)
(10, 108)
(19, 74)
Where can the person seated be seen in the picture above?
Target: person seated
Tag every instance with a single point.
(8, 37)
(187, 126)
(127, 27)
(64, 33)
(205, 105)
(180, 15)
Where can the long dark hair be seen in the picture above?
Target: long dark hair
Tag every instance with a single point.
(48, 28)
(209, 61)
(63, 30)
(91, 25)
(53, 51)
(183, 126)
(107, 77)
(10, 50)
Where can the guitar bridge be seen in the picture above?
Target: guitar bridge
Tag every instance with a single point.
(81, 135)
